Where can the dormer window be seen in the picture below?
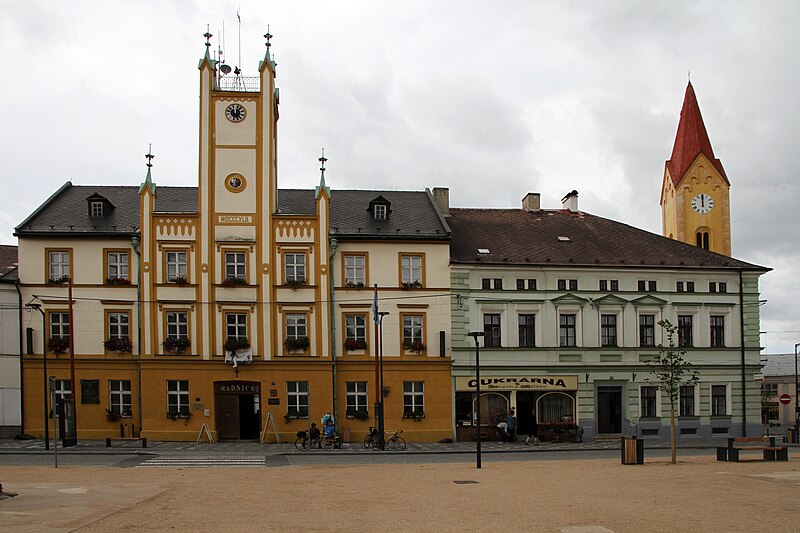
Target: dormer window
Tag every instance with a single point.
(95, 209)
(379, 208)
(99, 206)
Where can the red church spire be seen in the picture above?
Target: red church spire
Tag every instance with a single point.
(691, 140)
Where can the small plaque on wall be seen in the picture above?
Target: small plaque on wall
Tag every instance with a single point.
(90, 391)
(273, 401)
(198, 407)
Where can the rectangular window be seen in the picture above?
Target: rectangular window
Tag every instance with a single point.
(63, 389)
(411, 266)
(492, 283)
(177, 325)
(722, 286)
(295, 265)
(562, 284)
(380, 211)
(603, 285)
(491, 330)
(686, 401)
(647, 331)
(58, 265)
(117, 265)
(679, 286)
(355, 272)
(236, 325)
(571, 283)
(714, 286)
(608, 330)
(356, 398)
(648, 402)
(297, 399)
(235, 265)
(717, 331)
(119, 392)
(566, 330)
(609, 284)
(685, 330)
(296, 325)
(647, 285)
(651, 286)
(719, 400)
(355, 327)
(412, 332)
(413, 398)
(118, 326)
(177, 397)
(176, 266)
(685, 286)
(96, 209)
(486, 284)
(527, 331)
(529, 284)
(769, 407)
(59, 325)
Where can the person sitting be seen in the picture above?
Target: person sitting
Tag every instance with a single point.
(314, 436)
(329, 432)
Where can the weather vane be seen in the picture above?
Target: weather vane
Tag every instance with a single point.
(322, 162)
(268, 36)
(208, 36)
(149, 155)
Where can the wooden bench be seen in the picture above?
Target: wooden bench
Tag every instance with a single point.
(770, 450)
(126, 432)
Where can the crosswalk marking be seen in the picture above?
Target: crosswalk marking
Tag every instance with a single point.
(204, 462)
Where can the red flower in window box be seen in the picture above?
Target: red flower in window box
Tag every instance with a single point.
(354, 344)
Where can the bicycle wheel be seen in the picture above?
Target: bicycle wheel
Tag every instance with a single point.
(376, 443)
(328, 444)
(397, 443)
(368, 441)
(301, 444)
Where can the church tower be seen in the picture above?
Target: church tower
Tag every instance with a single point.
(695, 192)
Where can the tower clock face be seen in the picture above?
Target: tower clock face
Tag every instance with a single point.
(702, 203)
(235, 112)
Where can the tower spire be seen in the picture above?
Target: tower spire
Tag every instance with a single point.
(148, 180)
(322, 186)
(208, 37)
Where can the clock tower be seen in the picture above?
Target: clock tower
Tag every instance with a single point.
(695, 192)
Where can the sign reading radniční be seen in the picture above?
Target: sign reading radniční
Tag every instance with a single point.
(518, 383)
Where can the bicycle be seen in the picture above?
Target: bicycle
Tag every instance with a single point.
(303, 443)
(392, 440)
(371, 440)
(395, 441)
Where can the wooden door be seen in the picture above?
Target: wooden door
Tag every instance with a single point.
(228, 416)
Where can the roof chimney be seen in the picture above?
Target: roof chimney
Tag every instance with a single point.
(532, 202)
(570, 201)
(441, 195)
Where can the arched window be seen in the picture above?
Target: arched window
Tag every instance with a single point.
(702, 239)
(494, 408)
(555, 407)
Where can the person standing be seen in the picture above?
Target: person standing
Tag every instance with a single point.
(533, 431)
(511, 423)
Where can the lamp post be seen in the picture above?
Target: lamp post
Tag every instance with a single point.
(38, 307)
(796, 399)
(475, 335)
(381, 422)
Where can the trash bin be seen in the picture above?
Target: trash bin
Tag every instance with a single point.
(632, 450)
(792, 434)
(346, 435)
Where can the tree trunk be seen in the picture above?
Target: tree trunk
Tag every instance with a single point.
(674, 437)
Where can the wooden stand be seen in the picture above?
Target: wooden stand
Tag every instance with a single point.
(204, 430)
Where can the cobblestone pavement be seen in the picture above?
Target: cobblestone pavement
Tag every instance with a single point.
(11, 446)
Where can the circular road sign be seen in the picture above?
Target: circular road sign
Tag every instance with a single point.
(785, 399)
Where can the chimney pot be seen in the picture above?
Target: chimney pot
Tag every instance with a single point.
(441, 195)
(532, 202)
(570, 201)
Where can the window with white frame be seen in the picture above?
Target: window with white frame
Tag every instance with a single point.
(647, 285)
(235, 265)
(58, 265)
(356, 397)
(648, 403)
(177, 397)
(492, 283)
(411, 266)
(355, 327)
(563, 284)
(355, 274)
(567, 330)
(118, 326)
(295, 267)
(719, 400)
(297, 399)
(236, 325)
(686, 401)
(95, 209)
(491, 330)
(527, 330)
(717, 331)
(717, 286)
(684, 286)
(176, 266)
(117, 265)
(379, 211)
(608, 330)
(412, 331)
(609, 284)
(526, 284)
(63, 390)
(296, 326)
(177, 325)
(59, 325)
(647, 331)
(119, 397)
(413, 398)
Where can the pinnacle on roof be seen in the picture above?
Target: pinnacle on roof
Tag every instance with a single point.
(691, 140)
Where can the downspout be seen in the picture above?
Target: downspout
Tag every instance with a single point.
(741, 337)
(135, 246)
(334, 246)
(21, 381)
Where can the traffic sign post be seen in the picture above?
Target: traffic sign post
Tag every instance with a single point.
(785, 399)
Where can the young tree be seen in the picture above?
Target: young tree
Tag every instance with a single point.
(670, 372)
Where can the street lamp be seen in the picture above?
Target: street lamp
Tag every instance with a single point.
(381, 422)
(796, 399)
(38, 307)
(475, 335)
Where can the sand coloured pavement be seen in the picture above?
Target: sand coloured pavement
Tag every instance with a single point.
(697, 494)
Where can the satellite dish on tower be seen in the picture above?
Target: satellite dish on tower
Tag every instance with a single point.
(226, 69)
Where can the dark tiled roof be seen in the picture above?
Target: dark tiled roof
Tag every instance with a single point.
(175, 200)
(8, 262)
(514, 236)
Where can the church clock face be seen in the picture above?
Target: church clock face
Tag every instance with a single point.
(702, 203)
(235, 112)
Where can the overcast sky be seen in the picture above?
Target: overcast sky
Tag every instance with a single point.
(490, 99)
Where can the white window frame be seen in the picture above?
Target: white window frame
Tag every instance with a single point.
(236, 323)
(355, 270)
(178, 396)
(356, 397)
(297, 398)
(58, 264)
(294, 264)
(96, 208)
(176, 261)
(298, 322)
(658, 402)
(358, 325)
(177, 323)
(413, 396)
(119, 325)
(235, 264)
(59, 324)
(379, 211)
(728, 403)
(411, 266)
(117, 268)
(415, 327)
(119, 398)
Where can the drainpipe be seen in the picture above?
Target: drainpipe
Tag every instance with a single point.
(135, 246)
(21, 381)
(334, 246)
(741, 337)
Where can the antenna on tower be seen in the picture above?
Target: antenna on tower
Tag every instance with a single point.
(240, 35)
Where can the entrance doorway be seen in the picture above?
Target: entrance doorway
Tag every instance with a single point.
(238, 410)
(609, 409)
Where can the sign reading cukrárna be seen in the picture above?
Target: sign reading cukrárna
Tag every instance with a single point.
(518, 383)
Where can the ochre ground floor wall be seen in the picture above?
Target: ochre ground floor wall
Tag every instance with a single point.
(233, 401)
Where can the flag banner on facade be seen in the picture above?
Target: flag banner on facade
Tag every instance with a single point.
(375, 305)
(239, 357)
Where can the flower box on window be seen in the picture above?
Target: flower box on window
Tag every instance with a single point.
(354, 344)
(234, 343)
(174, 414)
(234, 282)
(416, 284)
(358, 414)
(416, 414)
(58, 345)
(294, 414)
(112, 415)
(176, 344)
(353, 285)
(118, 344)
(179, 280)
(416, 347)
(117, 281)
(297, 344)
(294, 283)
(58, 281)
